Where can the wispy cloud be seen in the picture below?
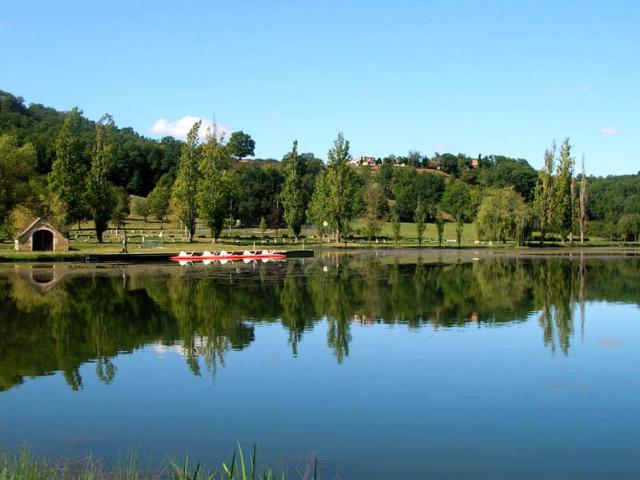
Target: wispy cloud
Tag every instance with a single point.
(441, 148)
(181, 127)
(577, 89)
(609, 132)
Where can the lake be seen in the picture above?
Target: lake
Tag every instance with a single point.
(382, 367)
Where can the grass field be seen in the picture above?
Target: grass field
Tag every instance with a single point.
(153, 236)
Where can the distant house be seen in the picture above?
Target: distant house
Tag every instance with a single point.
(41, 236)
(363, 160)
(475, 163)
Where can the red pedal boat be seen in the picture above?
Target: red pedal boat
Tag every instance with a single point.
(228, 256)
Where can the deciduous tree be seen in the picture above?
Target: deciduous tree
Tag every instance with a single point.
(16, 168)
(504, 215)
(241, 145)
(68, 172)
(375, 207)
(420, 219)
(318, 211)
(215, 186)
(342, 187)
(184, 191)
(100, 192)
(292, 195)
(544, 199)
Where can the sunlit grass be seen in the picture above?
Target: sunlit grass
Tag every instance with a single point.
(23, 464)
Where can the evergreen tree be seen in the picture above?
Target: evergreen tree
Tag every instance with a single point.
(68, 171)
(342, 188)
(101, 195)
(184, 191)
(292, 195)
(215, 186)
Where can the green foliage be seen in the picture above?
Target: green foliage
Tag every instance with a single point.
(292, 193)
(262, 226)
(215, 187)
(611, 197)
(318, 211)
(564, 214)
(503, 172)
(375, 208)
(396, 224)
(241, 145)
(420, 220)
(544, 198)
(142, 207)
(68, 172)
(16, 168)
(457, 201)
(439, 221)
(504, 215)
(629, 226)
(459, 231)
(101, 198)
(120, 210)
(409, 185)
(184, 190)
(343, 188)
(159, 198)
(260, 186)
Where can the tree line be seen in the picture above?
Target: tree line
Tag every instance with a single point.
(69, 169)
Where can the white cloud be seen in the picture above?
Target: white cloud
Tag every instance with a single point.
(578, 89)
(181, 127)
(609, 132)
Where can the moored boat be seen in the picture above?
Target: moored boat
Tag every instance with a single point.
(224, 256)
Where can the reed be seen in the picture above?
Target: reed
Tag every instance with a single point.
(24, 464)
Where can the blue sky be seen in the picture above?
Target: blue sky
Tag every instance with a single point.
(503, 77)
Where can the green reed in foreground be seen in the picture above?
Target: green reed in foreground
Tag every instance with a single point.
(24, 465)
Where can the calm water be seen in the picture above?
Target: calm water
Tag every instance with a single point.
(384, 368)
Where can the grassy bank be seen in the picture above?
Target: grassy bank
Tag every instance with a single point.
(155, 237)
(23, 464)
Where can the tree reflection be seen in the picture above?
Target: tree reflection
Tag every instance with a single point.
(95, 315)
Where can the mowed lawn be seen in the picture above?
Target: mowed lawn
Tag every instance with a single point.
(152, 235)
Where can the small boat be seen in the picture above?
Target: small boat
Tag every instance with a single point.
(224, 257)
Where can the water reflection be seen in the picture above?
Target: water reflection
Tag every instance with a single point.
(56, 318)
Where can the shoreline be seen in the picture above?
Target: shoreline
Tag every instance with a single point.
(465, 252)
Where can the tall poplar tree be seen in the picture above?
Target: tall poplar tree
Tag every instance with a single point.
(68, 171)
(564, 193)
(292, 195)
(583, 203)
(420, 218)
(101, 197)
(342, 188)
(543, 203)
(215, 186)
(184, 190)
(318, 211)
